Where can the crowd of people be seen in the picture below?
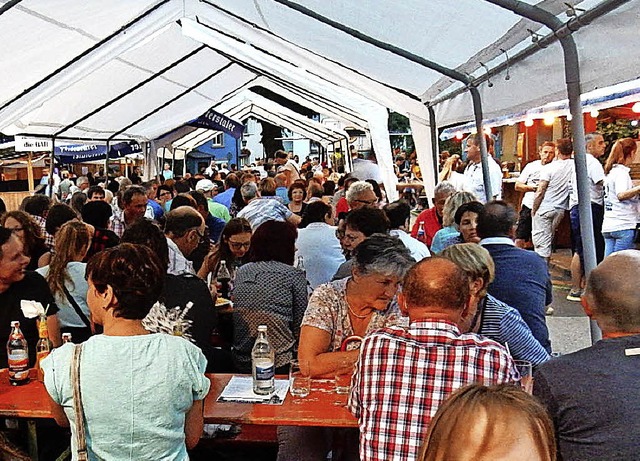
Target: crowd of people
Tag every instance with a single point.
(133, 270)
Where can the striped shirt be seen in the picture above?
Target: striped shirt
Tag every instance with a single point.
(404, 375)
(504, 324)
(263, 209)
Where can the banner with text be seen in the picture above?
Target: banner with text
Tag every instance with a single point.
(216, 121)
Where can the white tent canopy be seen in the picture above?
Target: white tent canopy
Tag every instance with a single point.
(140, 68)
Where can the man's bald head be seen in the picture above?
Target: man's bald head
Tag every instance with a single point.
(612, 293)
(182, 219)
(436, 284)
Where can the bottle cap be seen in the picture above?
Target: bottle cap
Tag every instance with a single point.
(262, 328)
(15, 323)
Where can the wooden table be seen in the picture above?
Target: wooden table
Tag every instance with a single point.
(30, 402)
(411, 185)
(317, 409)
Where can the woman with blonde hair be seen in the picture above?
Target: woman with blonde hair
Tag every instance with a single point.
(489, 316)
(620, 198)
(497, 423)
(65, 276)
(449, 228)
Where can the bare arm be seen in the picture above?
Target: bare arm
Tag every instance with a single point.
(312, 353)
(522, 187)
(193, 424)
(629, 194)
(53, 325)
(542, 189)
(294, 219)
(58, 413)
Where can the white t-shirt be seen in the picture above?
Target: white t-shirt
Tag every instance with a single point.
(558, 174)
(290, 166)
(596, 175)
(475, 181)
(530, 176)
(619, 215)
(459, 181)
(418, 250)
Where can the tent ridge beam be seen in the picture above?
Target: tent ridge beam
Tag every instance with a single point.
(7, 6)
(84, 53)
(571, 26)
(267, 31)
(130, 90)
(172, 100)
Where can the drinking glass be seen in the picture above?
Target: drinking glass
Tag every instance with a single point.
(525, 368)
(342, 381)
(299, 383)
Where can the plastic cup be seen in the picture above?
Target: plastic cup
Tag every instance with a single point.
(299, 383)
(525, 368)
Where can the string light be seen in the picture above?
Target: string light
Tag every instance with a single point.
(459, 135)
(636, 108)
(594, 113)
(528, 122)
(487, 131)
(569, 117)
(548, 120)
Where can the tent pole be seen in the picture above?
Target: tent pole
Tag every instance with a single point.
(434, 141)
(30, 172)
(106, 160)
(572, 76)
(53, 162)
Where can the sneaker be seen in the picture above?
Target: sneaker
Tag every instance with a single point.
(574, 296)
(549, 310)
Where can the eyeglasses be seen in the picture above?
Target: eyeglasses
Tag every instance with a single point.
(238, 245)
(350, 238)
(202, 237)
(16, 229)
(165, 193)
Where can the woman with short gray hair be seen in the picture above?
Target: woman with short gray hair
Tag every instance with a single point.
(338, 315)
(355, 305)
(449, 228)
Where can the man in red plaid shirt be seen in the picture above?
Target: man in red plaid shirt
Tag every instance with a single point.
(404, 374)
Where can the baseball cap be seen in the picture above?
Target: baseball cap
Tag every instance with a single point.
(205, 185)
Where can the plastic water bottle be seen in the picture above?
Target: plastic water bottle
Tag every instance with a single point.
(18, 356)
(263, 364)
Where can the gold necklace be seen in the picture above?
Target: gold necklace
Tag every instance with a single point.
(357, 315)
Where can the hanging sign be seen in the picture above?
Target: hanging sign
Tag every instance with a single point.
(216, 121)
(30, 144)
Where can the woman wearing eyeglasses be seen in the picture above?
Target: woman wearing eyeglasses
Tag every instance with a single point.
(235, 242)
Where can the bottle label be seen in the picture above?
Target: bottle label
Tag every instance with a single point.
(264, 375)
(18, 362)
(40, 355)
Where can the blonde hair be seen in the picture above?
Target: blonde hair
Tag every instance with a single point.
(474, 260)
(452, 204)
(620, 152)
(72, 242)
(451, 432)
(449, 166)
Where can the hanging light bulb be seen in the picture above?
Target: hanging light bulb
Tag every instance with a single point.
(636, 108)
(548, 120)
(459, 135)
(569, 117)
(634, 123)
(594, 113)
(487, 131)
(528, 122)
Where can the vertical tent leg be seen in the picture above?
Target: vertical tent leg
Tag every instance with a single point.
(32, 440)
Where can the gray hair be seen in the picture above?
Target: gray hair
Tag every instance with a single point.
(444, 188)
(452, 204)
(383, 254)
(356, 189)
(82, 180)
(249, 190)
(591, 136)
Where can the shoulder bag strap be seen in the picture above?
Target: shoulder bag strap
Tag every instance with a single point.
(81, 441)
(76, 308)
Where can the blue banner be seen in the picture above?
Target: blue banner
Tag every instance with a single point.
(216, 121)
(78, 153)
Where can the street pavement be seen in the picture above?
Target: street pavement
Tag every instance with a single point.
(568, 326)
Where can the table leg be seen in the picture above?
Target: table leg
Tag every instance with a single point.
(32, 440)
(65, 455)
